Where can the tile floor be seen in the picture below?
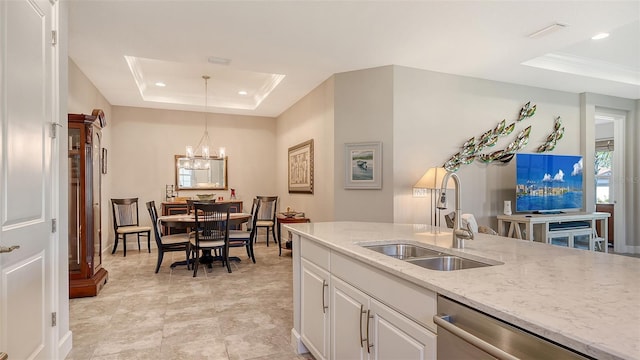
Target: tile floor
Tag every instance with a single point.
(171, 315)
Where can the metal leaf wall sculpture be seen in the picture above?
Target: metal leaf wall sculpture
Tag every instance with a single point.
(552, 139)
(472, 148)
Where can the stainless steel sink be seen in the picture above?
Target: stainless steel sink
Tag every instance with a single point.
(403, 251)
(426, 258)
(447, 263)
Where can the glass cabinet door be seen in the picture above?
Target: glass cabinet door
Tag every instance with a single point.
(75, 198)
(95, 199)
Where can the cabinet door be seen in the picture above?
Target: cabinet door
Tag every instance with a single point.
(349, 309)
(397, 338)
(314, 308)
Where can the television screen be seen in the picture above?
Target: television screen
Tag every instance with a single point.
(548, 183)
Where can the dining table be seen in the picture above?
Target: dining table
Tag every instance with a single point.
(188, 221)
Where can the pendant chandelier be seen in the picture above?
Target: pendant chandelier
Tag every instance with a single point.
(203, 149)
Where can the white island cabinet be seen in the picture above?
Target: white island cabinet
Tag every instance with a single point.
(314, 300)
(560, 294)
(348, 310)
(364, 328)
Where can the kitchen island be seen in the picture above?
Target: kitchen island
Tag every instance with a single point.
(583, 300)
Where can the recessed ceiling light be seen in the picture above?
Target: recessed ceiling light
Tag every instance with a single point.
(160, 84)
(600, 36)
(242, 92)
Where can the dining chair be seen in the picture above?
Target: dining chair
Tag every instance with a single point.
(166, 243)
(126, 222)
(240, 238)
(267, 215)
(212, 233)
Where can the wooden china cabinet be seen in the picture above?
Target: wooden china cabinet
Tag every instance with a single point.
(86, 274)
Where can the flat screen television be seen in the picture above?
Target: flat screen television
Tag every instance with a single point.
(548, 183)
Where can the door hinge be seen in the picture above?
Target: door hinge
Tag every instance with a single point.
(54, 37)
(54, 225)
(54, 130)
(54, 319)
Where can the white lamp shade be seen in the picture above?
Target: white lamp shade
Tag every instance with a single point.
(432, 179)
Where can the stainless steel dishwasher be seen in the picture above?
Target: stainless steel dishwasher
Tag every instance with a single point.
(465, 333)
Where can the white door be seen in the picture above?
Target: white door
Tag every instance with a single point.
(26, 103)
(349, 311)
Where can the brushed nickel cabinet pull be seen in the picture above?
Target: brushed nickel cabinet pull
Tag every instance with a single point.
(369, 345)
(324, 306)
(362, 312)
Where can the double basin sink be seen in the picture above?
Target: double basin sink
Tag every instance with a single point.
(426, 258)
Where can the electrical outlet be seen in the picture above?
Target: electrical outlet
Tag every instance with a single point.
(420, 192)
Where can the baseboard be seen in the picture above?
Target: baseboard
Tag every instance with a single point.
(65, 344)
(629, 249)
(296, 342)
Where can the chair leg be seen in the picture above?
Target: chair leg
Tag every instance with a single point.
(115, 244)
(267, 237)
(226, 259)
(124, 244)
(149, 241)
(273, 231)
(160, 256)
(253, 257)
(196, 263)
(138, 236)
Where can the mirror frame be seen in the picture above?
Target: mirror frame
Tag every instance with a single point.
(226, 174)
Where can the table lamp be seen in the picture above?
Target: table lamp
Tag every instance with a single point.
(432, 181)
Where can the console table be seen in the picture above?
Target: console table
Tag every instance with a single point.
(281, 219)
(569, 226)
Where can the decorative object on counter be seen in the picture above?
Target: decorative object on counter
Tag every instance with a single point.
(507, 207)
(301, 168)
(206, 196)
(233, 194)
(170, 192)
(203, 148)
(552, 139)
(472, 148)
(363, 165)
(431, 181)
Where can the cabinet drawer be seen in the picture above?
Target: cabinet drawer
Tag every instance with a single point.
(315, 253)
(417, 303)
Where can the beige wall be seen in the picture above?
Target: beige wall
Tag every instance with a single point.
(435, 113)
(144, 142)
(312, 117)
(364, 113)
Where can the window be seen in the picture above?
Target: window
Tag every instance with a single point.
(603, 169)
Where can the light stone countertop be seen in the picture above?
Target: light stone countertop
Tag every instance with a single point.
(587, 301)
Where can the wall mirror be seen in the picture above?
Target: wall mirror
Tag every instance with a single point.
(201, 174)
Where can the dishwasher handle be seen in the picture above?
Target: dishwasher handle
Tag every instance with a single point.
(444, 322)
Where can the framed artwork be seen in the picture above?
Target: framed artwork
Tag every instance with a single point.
(301, 168)
(363, 165)
(104, 161)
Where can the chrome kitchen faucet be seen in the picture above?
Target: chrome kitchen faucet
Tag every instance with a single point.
(459, 234)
